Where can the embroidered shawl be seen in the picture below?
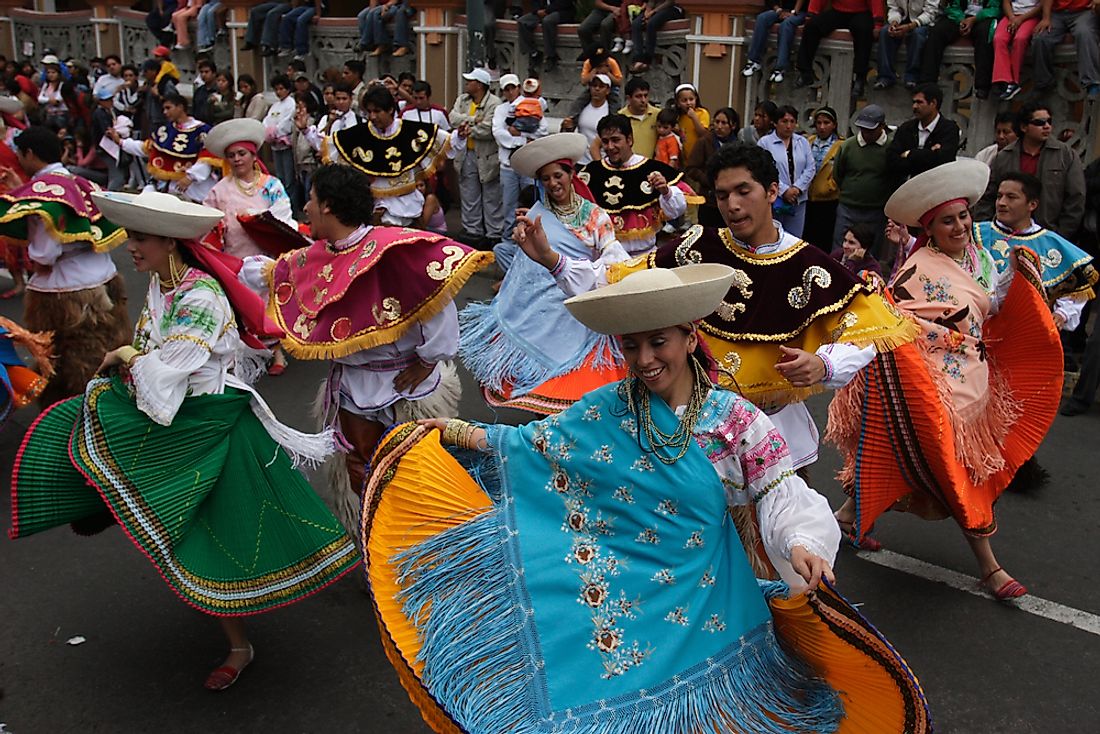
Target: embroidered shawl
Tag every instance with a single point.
(1067, 269)
(172, 150)
(625, 194)
(64, 204)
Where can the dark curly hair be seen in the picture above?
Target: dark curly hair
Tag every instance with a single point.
(346, 192)
(759, 162)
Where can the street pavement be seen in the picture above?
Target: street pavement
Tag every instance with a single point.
(319, 667)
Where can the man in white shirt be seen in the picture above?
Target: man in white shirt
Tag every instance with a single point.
(340, 117)
(421, 108)
(279, 125)
(589, 117)
(509, 140)
(74, 291)
(112, 80)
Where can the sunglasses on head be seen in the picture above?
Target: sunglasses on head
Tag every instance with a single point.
(1040, 121)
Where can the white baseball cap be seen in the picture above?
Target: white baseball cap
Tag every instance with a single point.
(507, 80)
(479, 74)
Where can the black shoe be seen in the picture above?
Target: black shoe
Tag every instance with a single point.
(859, 86)
(1071, 408)
(248, 46)
(268, 51)
(910, 85)
(551, 63)
(804, 79)
(981, 93)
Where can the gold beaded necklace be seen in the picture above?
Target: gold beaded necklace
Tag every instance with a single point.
(639, 405)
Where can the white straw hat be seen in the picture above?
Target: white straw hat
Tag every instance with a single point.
(243, 130)
(965, 178)
(151, 212)
(653, 299)
(534, 155)
(10, 104)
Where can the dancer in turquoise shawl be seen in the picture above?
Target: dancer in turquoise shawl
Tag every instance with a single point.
(582, 573)
(1068, 273)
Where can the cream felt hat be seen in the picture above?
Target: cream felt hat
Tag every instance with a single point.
(224, 134)
(151, 212)
(965, 178)
(653, 299)
(534, 155)
(10, 104)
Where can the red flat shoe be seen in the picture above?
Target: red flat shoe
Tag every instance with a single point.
(867, 543)
(225, 676)
(276, 369)
(1011, 589)
(12, 293)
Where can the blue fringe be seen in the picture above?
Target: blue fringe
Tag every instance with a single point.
(457, 589)
(494, 358)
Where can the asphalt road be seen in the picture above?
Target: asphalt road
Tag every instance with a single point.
(985, 667)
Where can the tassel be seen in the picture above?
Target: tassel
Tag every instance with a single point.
(304, 449)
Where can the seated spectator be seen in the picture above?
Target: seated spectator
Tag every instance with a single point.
(375, 35)
(208, 25)
(764, 116)
(907, 21)
(855, 249)
(668, 141)
(623, 41)
(294, 28)
(789, 14)
(597, 29)
(859, 17)
(601, 62)
(222, 103)
(1004, 133)
(1010, 41)
(251, 102)
(263, 26)
(548, 14)
(185, 11)
(159, 21)
(432, 218)
(963, 18)
(644, 29)
(1076, 17)
(422, 109)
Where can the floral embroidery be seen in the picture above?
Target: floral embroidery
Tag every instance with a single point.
(592, 414)
(938, 290)
(707, 579)
(714, 624)
(764, 455)
(695, 540)
(668, 508)
(648, 535)
(642, 464)
(624, 494)
(953, 364)
(603, 455)
(664, 576)
(678, 616)
(629, 427)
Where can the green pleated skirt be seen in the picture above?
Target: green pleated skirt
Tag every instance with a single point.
(211, 500)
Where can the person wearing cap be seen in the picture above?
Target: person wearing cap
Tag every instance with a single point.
(422, 109)
(171, 444)
(619, 533)
(796, 321)
(339, 117)
(163, 54)
(155, 88)
(478, 161)
(509, 139)
(639, 194)
(49, 95)
(96, 165)
(379, 302)
(864, 177)
(523, 347)
(926, 141)
(587, 117)
(74, 290)
(824, 193)
(395, 153)
(939, 427)
(176, 157)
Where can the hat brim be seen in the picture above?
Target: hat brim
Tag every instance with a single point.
(965, 178)
(242, 130)
(534, 155)
(11, 105)
(653, 299)
(157, 214)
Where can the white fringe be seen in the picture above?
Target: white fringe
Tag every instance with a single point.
(304, 449)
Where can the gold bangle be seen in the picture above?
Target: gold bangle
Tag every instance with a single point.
(453, 432)
(128, 354)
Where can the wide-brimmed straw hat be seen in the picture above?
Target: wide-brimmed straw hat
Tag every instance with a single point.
(653, 299)
(10, 104)
(224, 134)
(534, 155)
(50, 59)
(965, 178)
(158, 214)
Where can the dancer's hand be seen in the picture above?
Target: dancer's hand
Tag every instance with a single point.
(531, 238)
(801, 368)
(412, 376)
(439, 423)
(811, 567)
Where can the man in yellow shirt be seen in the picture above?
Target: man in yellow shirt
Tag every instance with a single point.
(643, 116)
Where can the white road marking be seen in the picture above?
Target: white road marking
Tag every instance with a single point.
(1030, 603)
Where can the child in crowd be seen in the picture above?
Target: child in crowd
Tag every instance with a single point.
(622, 27)
(855, 250)
(1010, 41)
(528, 109)
(601, 62)
(668, 141)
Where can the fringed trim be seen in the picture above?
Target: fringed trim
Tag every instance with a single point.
(250, 364)
(103, 244)
(843, 427)
(495, 360)
(441, 403)
(457, 591)
(980, 433)
(38, 344)
(884, 339)
(747, 530)
(431, 307)
(304, 449)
